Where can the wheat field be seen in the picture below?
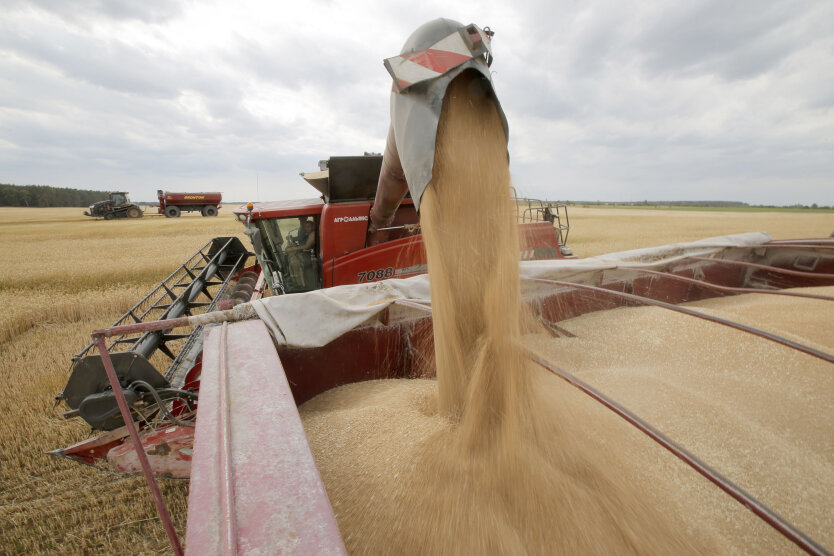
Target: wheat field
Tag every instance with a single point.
(65, 274)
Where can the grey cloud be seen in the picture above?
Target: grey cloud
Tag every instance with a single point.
(349, 75)
(605, 100)
(82, 11)
(736, 40)
(108, 64)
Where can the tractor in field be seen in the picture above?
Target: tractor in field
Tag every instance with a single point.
(117, 205)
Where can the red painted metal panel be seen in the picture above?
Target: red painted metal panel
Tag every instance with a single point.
(169, 452)
(344, 227)
(91, 450)
(255, 488)
(541, 238)
(171, 198)
(400, 258)
(282, 209)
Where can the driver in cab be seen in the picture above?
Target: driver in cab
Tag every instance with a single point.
(307, 235)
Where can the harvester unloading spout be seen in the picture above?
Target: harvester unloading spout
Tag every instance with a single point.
(432, 57)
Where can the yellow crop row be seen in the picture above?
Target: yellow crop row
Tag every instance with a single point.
(65, 274)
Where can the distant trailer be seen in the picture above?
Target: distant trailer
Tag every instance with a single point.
(172, 204)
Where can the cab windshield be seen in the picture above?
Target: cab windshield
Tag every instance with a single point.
(289, 252)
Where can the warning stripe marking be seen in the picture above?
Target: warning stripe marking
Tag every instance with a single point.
(444, 55)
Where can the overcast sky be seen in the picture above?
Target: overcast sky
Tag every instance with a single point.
(606, 100)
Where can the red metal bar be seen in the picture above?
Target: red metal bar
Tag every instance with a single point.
(792, 246)
(224, 305)
(774, 269)
(773, 519)
(273, 490)
(227, 495)
(413, 305)
(98, 339)
(686, 311)
(728, 289)
(149, 326)
(812, 241)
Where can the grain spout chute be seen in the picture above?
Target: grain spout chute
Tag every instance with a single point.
(432, 57)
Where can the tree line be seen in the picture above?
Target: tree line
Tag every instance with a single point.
(47, 196)
(656, 204)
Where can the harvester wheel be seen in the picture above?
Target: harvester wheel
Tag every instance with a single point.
(172, 212)
(109, 216)
(134, 212)
(209, 210)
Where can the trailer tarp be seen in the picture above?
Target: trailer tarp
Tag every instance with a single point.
(314, 319)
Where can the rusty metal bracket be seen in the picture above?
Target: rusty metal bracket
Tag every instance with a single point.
(161, 507)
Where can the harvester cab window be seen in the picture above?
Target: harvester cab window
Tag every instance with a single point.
(290, 250)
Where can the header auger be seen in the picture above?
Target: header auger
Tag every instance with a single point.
(214, 273)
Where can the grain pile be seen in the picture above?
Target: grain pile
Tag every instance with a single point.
(493, 456)
(758, 412)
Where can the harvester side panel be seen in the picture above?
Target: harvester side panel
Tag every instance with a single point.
(272, 499)
(343, 228)
(400, 258)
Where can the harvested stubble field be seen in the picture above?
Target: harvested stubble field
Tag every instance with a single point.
(65, 275)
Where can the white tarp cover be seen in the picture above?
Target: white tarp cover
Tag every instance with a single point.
(316, 318)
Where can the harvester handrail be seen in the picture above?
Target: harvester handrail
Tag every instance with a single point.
(534, 212)
(729, 289)
(159, 500)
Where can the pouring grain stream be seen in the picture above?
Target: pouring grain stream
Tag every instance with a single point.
(496, 461)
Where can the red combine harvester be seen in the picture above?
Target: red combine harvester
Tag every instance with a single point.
(173, 204)
(341, 247)
(357, 307)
